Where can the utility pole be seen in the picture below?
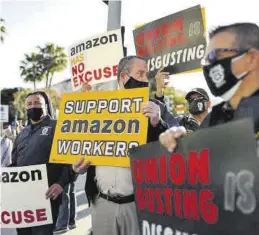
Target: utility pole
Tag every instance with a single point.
(114, 22)
(114, 15)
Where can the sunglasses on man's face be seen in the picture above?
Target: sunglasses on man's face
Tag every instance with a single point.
(216, 54)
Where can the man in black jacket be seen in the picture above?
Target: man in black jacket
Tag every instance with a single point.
(110, 189)
(32, 146)
(231, 70)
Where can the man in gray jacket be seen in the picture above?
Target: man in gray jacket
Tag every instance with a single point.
(32, 146)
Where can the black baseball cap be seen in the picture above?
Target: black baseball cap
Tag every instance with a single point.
(200, 91)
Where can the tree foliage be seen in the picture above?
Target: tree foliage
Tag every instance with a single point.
(32, 68)
(43, 64)
(54, 60)
(2, 30)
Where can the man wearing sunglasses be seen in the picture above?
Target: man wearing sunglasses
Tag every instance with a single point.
(231, 70)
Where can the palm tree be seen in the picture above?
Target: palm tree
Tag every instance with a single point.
(2, 30)
(32, 69)
(54, 60)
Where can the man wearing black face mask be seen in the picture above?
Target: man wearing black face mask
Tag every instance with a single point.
(199, 103)
(231, 70)
(110, 189)
(32, 146)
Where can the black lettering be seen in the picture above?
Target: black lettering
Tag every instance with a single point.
(33, 173)
(24, 176)
(96, 42)
(107, 124)
(93, 43)
(95, 126)
(134, 126)
(105, 40)
(66, 125)
(88, 45)
(5, 177)
(14, 177)
(80, 126)
(119, 126)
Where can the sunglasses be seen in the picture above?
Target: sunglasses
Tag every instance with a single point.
(213, 55)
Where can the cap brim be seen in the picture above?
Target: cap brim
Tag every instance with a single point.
(187, 97)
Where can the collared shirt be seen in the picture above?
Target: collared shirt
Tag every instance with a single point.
(114, 180)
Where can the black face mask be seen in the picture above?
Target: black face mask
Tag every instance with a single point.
(35, 114)
(197, 106)
(133, 83)
(219, 76)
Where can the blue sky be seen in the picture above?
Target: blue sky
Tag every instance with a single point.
(63, 22)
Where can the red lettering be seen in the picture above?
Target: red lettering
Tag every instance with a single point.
(151, 171)
(5, 214)
(74, 70)
(140, 199)
(165, 28)
(162, 170)
(149, 199)
(79, 68)
(81, 78)
(140, 50)
(209, 211)
(140, 38)
(177, 202)
(28, 216)
(16, 217)
(97, 74)
(75, 81)
(138, 171)
(41, 214)
(177, 169)
(88, 79)
(149, 35)
(115, 70)
(160, 205)
(178, 25)
(190, 205)
(199, 170)
(107, 72)
(167, 192)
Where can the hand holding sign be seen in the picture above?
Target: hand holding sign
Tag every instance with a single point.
(169, 137)
(152, 110)
(80, 167)
(161, 81)
(54, 191)
(86, 87)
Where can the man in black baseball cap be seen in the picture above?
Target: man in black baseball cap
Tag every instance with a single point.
(199, 103)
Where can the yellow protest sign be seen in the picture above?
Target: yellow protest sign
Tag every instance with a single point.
(100, 126)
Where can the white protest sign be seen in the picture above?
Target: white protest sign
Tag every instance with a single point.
(95, 59)
(23, 202)
(4, 113)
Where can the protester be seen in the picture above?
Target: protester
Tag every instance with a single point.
(32, 146)
(6, 146)
(67, 210)
(231, 70)
(110, 189)
(199, 103)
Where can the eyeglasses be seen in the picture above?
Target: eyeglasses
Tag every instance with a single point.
(213, 55)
